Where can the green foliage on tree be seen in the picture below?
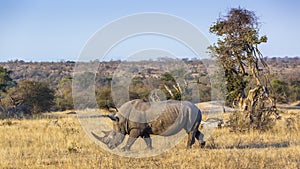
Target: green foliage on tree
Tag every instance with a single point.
(37, 95)
(286, 91)
(6, 82)
(281, 90)
(204, 93)
(103, 97)
(245, 68)
(294, 91)
(5, 79)
(138, 89)
(170, 87)
(82, 89)
(84, 80)
(237, 49)
(63, 96)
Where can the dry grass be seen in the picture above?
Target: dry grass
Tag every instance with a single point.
(61, 143)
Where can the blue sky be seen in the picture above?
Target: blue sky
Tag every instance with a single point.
(41, 30)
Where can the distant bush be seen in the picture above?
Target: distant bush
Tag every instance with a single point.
(138, 89)
(294, 90)
(36, 95)
(240, 122)
(63, 95)
(286, 91)
(281, 90)
(103, 97)
(5, 80)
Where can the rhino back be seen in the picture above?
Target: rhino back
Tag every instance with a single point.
(159, 118)
(176, 115)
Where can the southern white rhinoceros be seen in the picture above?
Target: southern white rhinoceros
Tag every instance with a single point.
(138, 118)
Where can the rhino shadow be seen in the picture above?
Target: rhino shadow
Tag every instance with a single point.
(252, 146)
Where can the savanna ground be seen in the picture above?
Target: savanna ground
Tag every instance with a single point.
(62, 143)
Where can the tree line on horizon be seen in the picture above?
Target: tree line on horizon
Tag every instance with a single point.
(57, 79)
(35, 87)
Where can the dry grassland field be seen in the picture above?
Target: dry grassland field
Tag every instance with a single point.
(62, 143)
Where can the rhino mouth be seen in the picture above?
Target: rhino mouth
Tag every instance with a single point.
(111, 139)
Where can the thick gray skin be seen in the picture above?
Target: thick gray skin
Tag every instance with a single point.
(140, 119)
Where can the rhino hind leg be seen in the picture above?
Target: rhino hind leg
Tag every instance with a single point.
(191, 139)
(200, 136)
(192, 134)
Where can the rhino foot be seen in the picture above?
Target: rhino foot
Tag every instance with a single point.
(149, 148)
(203, 144)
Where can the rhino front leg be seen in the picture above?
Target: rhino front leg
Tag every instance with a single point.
(134, 134)
(148, 141)
(200, 137)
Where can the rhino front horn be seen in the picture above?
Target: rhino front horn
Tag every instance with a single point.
(102, 139)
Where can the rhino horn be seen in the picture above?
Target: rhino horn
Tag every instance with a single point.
(106, 133)
(102, 139)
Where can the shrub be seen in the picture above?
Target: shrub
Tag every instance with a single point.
(281, 90)
(63, 96)
(37, 95)
(5, 80)
(240, 122)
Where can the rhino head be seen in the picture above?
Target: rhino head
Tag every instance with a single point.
(114, 137)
